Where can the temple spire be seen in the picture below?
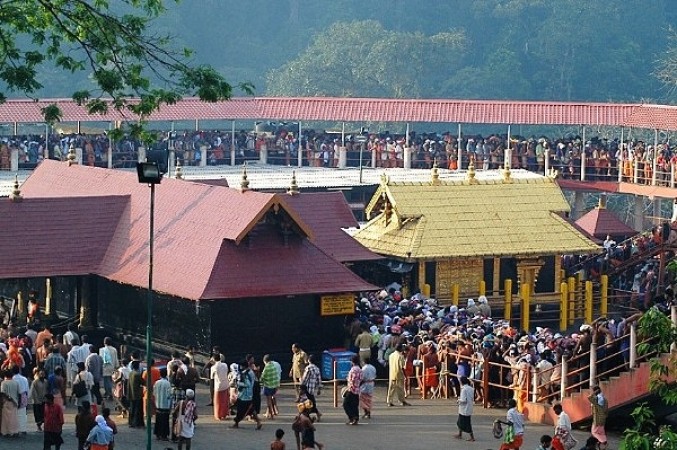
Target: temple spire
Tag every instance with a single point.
(244, 182)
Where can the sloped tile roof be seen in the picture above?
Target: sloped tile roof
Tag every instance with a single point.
(600, 222)
(191, 222)
(326, 213)
(456, 219)
(57, 236)
(263, 265)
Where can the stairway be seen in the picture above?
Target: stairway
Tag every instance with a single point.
(628, 387)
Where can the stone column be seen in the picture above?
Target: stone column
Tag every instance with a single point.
(407, 157)
(263, 154)
(342, 159)
(142, 154)
(14, 160)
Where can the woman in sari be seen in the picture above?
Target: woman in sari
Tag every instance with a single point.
(367, 388)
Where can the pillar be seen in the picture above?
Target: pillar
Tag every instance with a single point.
(343, 157)
(638, 223)
(604, 295)
(563, 379)
(14, 160)
(373, 158)
(657, 204)
(263, 154)
(48, 297)
(525, 305)
(593, 364)
(407, 157)
(88, 305)
(171, 163)
(203, 154)
(547, 161)
(78, 156)
(507, 313)
(421, 274)
(20, 306)
(588, 301)
(633, 345)
(563, 306)
(142, 154)
(455, 294)
(497, 276)
(483, 287)
(571, 313)
(558, 270)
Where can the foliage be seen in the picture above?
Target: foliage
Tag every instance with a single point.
(108, 41)
(645, 435)
(363, 59)
(666, 70)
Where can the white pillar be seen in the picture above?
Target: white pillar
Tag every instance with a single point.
(635, 167)
(343, 134)
(232, 142)
(534, 384)
(141, 153)
(563, 380)
(633, 346)
(583, 157)
(203, 153)
(507, 158)
(263, 154)
(109, 154)
(406, 137)
(639, 213)
(407, 157)
(171, 163)
(619, 162)
(547, 161)
(655, 158)
(14, 160)
(593, 364)
(373, 158)
(78, 155)
(342, 157)
(459, 150)
(299, 161)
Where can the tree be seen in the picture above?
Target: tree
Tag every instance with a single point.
(666, 71)
(109, 42)
(362, 58)
(644, 435)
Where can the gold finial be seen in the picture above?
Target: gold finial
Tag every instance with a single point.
(72, 157)
(178, 170)
(244, 183)
(384, 179)
(602, 201)
(506, 175)
(435, 174)
(293, 187)
(471, 172)
(15, 196)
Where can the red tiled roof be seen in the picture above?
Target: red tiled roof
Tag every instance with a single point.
(372, 109)
(264, 264)
(600, 222)
(56, 236)
(191, 222)
(326, 213)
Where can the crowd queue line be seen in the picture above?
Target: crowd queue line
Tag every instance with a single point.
(592, 159)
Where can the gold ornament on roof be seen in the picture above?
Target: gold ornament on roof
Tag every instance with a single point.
(15, 196)
(435, 174)
(471, 172)
(384, 179)
(293, 187)
(72, 157)
(244, 183)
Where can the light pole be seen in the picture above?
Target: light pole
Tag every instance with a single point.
(149, 173)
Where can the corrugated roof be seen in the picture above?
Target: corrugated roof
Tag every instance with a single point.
(264, 266)
(460, 220)
(57, 236)
(372, 110)
(600, 222)
(191, 222)
(326, 213)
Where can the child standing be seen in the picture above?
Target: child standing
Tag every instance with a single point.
(278, 444)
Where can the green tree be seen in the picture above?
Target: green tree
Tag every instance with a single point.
(363, 59)
(111, 44)
(644, 435)
(666, 70)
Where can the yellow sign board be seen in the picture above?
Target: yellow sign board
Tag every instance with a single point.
(335, 305)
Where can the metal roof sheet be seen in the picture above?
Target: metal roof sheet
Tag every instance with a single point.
(371, 110)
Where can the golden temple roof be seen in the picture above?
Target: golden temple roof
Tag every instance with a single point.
(459, 219)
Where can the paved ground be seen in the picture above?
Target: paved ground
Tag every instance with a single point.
(427, 424)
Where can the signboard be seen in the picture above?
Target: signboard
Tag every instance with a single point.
(336, 305)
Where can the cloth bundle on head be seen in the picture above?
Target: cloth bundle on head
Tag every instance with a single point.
(190, 393)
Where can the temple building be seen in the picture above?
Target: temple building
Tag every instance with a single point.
(470, 227)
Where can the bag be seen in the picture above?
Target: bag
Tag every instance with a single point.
(344, 392)
(497, 430)
(80, 388)
(568, 441)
